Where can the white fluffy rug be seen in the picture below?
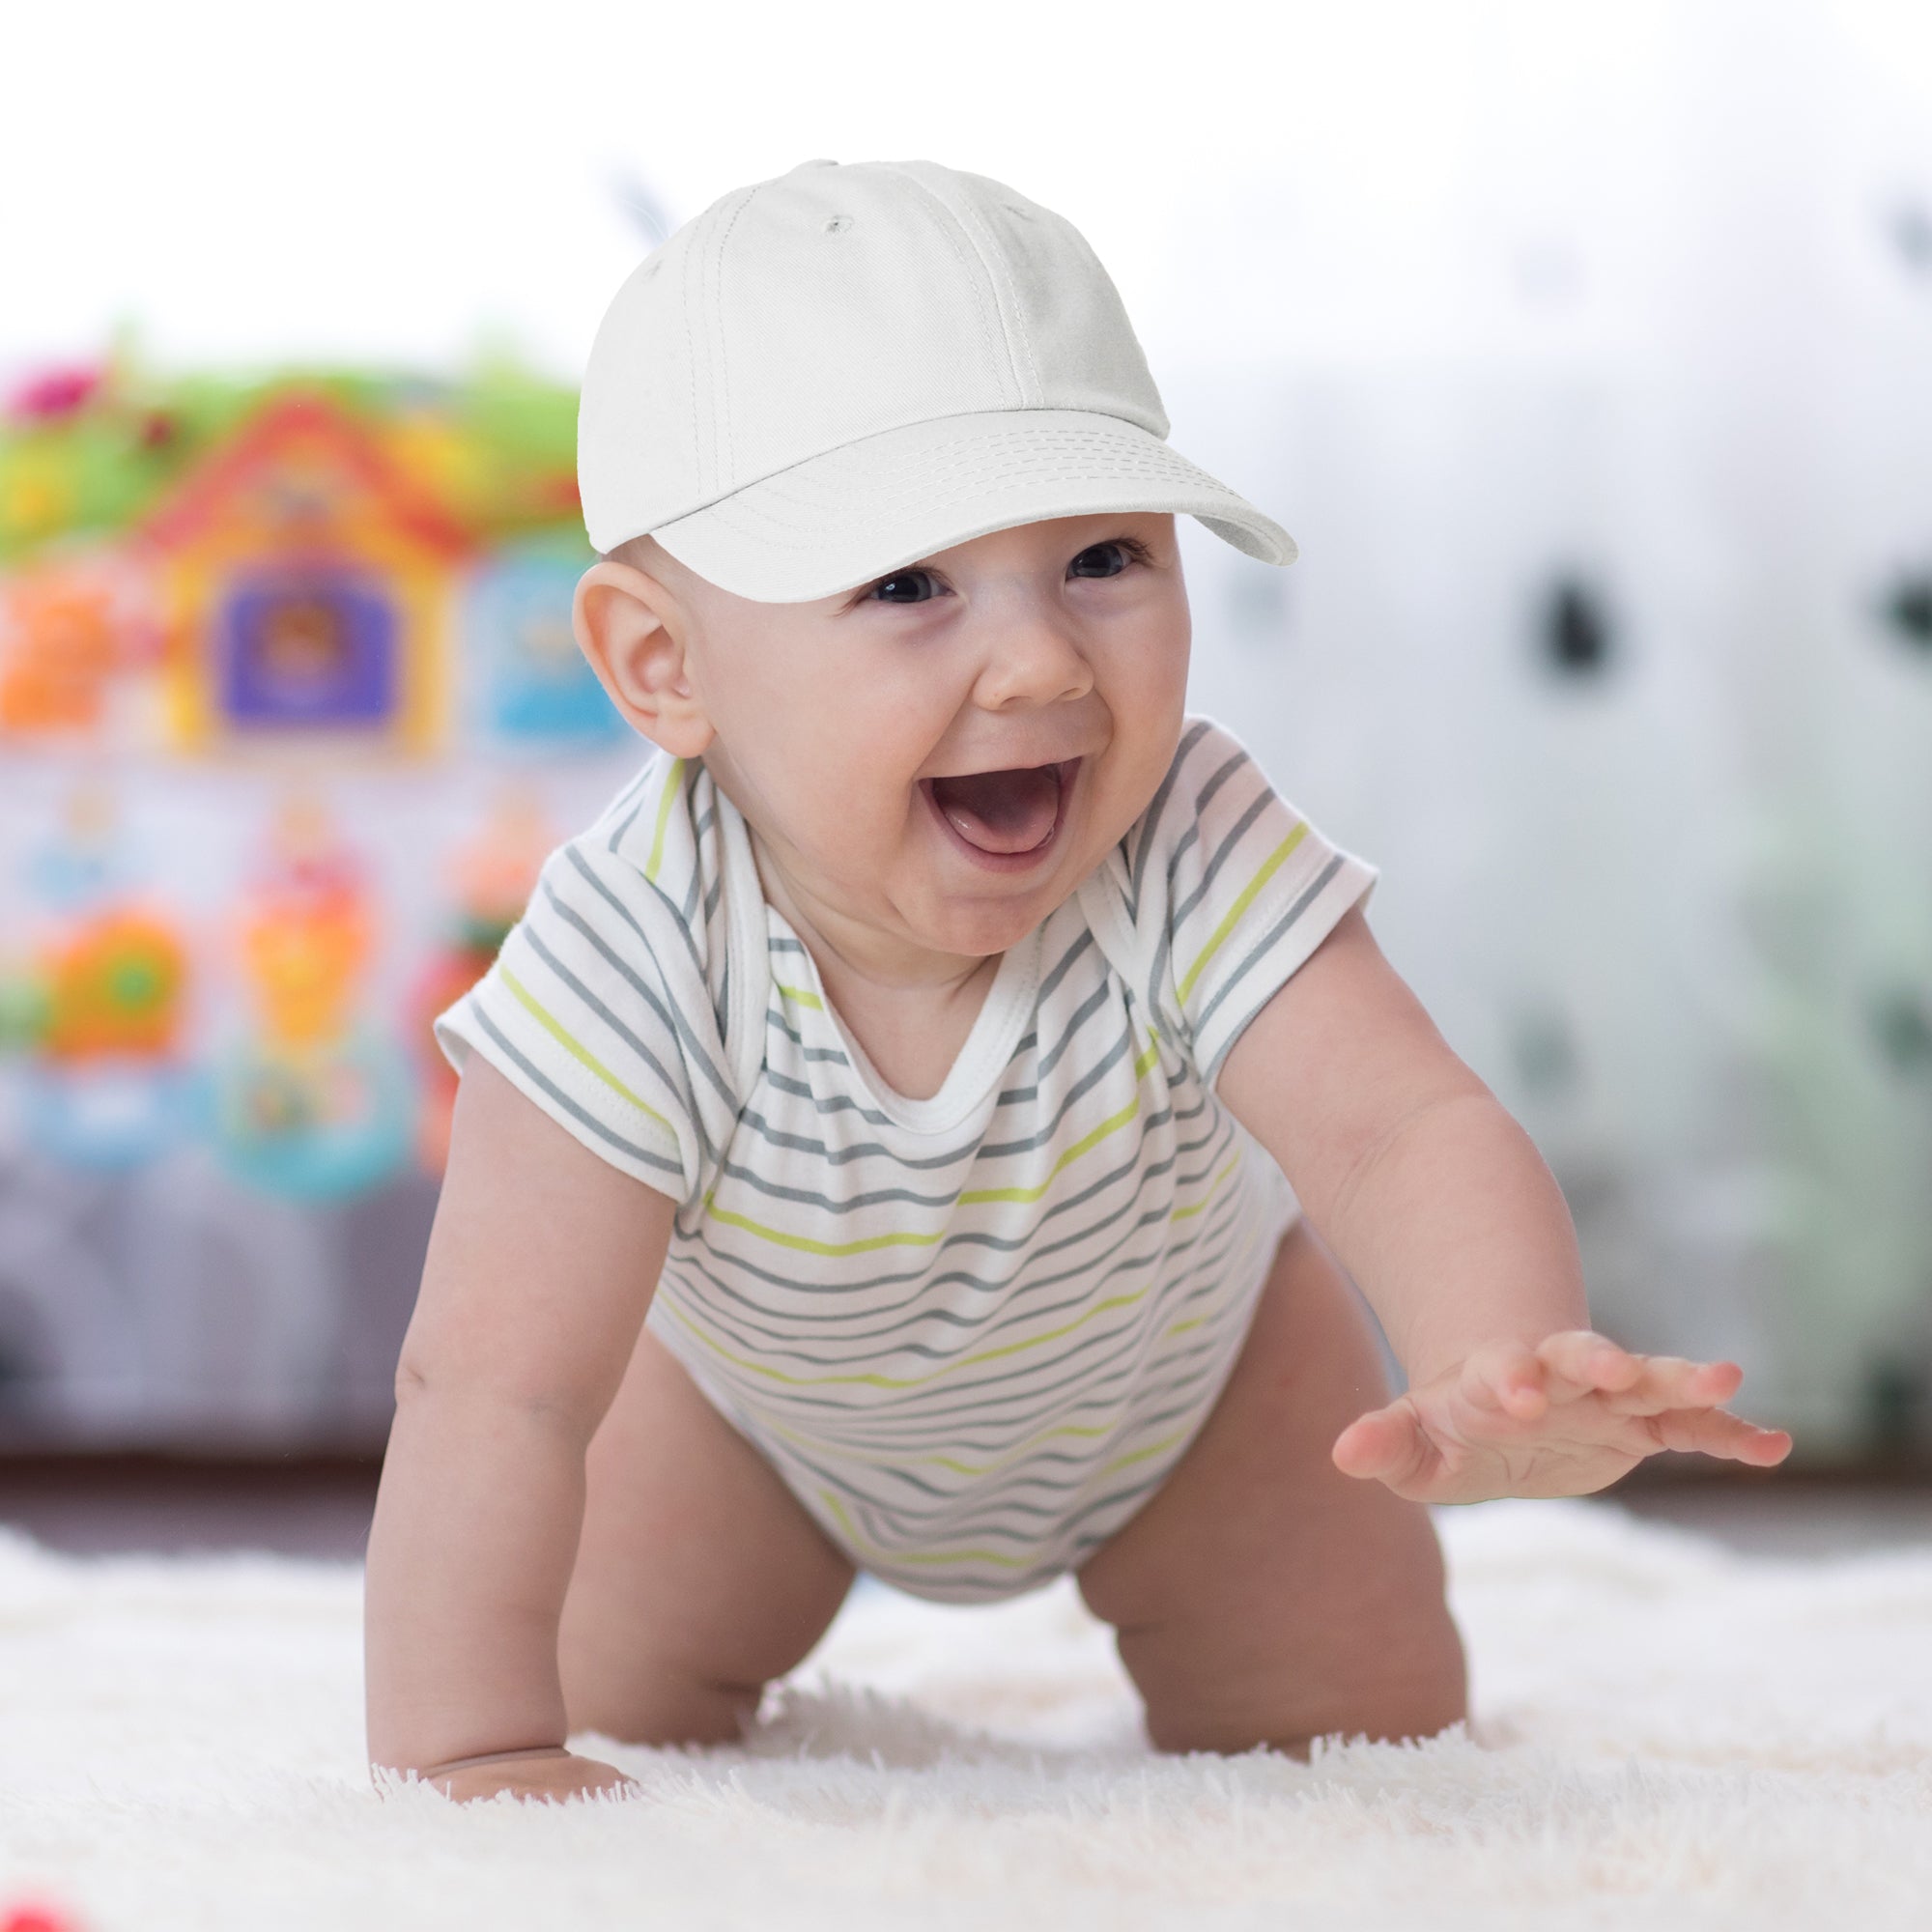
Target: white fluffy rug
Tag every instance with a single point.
(1664, 1735)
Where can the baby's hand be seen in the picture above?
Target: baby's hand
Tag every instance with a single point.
(1562, 1419)
(551, 1778)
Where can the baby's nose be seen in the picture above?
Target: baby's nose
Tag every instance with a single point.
(1032, 661)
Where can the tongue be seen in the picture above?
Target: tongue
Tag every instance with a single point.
(1001, 811)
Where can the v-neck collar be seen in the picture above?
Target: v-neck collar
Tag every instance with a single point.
(987, 1052)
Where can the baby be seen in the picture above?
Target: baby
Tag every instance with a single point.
(917, 1128)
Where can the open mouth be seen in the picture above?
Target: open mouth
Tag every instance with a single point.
(1009, 816)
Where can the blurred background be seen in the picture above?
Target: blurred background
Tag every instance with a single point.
(1585, 349)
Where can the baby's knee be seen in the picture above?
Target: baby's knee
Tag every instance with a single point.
(1412, 1682)
(662, 1708)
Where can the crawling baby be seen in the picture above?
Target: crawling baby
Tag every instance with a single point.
(929, 1122)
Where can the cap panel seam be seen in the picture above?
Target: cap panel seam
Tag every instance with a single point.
(980, 284)
(693, 291)
(996, 262)
(721, 392)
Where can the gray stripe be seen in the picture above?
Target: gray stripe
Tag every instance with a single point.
(673, 1085)
(778, 1137)
(1121, 1048)
(673, 1017)
(1014, 1375)
(706, 820)
(974, 1332)
(840, 1103)
(673, 1022)
(983, 1239)
(1083, 943)
(975, 1401)
(1082, 1013)
(1177, 1386)
(812, 1197)
(841, 1157)
(1266, 946)
(1180, 910)
(541, 1080)
(964, 1398)
(635, 796)
(1094, 1385)
(775, 1015)
(928, 1282)
(678, 923)
(1171, 1297)
(1220, 1136)
(1150, 820)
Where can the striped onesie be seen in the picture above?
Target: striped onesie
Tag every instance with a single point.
(973, 1333)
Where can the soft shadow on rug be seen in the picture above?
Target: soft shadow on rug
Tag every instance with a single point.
(1664, 1734)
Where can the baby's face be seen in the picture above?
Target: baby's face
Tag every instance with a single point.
(934, 761)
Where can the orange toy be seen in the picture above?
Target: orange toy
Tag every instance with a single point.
(114, 986)
(308, 933)
(59, 644)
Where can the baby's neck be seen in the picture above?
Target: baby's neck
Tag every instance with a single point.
(911, 1025)
(913, 1038)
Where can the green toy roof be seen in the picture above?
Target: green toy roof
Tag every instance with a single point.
(88, 453)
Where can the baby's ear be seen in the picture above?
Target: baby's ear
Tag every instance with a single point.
(631, 629)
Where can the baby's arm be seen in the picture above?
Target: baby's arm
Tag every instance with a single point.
(541, 1267)
(1439, 1205)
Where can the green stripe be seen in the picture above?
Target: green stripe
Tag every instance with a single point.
(898, 1459)
(866, 1548)
(1134, 1456)
(576, 1048)
(1112, 1124)
(1233, 912)
(1195, 1207)
(801, 994)
(870, 1244)
(804, 1245)
(674, 779)
(972, 1361)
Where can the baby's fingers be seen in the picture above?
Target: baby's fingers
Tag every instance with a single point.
(1387, 1445)
(1580, 1362)
(1715, 1431)
(1506, 1379)
(1669, 1383)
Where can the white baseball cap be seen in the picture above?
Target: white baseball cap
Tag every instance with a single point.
(832, 374)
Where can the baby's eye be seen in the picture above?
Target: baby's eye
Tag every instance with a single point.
(1102, 559)
(920, 583)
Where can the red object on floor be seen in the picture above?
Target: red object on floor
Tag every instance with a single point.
(38, 1918)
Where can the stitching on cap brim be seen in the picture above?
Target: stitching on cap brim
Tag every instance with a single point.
(837, 520)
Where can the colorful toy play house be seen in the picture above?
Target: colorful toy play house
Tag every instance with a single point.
(307, 587)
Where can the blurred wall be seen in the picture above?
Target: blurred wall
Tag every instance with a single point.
(1587, 351)
(1611, 643)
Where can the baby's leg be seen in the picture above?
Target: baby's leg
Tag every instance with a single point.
(1261, 1596)
(699, 1577)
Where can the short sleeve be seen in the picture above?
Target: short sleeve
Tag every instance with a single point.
(1221, 890)
(601, 1004)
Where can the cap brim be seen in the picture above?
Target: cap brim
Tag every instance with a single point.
(837, 521)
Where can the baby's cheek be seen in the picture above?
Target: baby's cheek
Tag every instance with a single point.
(853, 821)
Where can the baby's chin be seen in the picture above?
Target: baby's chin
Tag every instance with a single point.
(977, 922)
